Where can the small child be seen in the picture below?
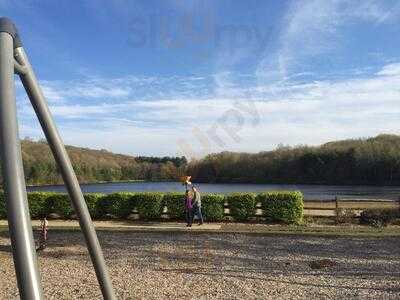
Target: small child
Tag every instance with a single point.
(196, 212)
(43, 234)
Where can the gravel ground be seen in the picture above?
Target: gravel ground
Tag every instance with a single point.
(208, 266)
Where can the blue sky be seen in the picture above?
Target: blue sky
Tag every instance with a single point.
(178, 77)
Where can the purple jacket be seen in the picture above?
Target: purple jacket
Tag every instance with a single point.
(188, 202)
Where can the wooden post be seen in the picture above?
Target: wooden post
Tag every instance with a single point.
(398, 202)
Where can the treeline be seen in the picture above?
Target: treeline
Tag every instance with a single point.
(177, 161)
(357, 161)
(96, 165)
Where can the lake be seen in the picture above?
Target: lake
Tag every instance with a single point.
(311, 192)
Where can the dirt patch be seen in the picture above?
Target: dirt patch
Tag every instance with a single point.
(322, 264)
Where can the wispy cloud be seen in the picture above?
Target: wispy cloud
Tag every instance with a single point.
(298, 101)
(89, 88)
(390, 70)
(291, 113)
(312, 28)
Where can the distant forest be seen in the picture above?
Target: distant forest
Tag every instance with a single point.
(356, 161)
(97, 165)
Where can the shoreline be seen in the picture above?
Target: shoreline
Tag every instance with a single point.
(97, 182)
(219, 183)
(311, 192)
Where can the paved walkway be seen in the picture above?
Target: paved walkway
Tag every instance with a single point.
(167, 226)
(249, 228)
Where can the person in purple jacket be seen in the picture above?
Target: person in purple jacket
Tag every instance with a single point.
(188, 208)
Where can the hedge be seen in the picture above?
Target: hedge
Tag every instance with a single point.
(285, 207)
(117, 205)
(212, 206)
(39, 204)
(175, 203)
(242, 205)
(92, 200)
(149, 205)
(59, 204)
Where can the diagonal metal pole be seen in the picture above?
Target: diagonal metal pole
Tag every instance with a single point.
(24, 69)
(19, 221)
(41, 108)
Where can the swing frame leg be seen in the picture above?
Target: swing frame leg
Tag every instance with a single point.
(19, 222)
(13, 58)
(57, 147)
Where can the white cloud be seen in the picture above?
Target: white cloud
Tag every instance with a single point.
(80, 111)
(389, 70)
(313, 27)
(291, 113)
(89, 88)
(52, 94)
(149, 114)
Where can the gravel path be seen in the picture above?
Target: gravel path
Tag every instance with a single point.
(209, 266)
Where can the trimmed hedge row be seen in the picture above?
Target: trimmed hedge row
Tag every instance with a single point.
(149, 205)
(175, 205)
(212, 206)
(286, 207)
(242, 205)
(117, 205)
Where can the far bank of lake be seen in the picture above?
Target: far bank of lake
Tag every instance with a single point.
(311, 192)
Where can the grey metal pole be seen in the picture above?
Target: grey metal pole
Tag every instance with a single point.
(19, 221)
(40, 106)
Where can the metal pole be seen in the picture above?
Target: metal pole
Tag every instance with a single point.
(40, 106)
(19, 221)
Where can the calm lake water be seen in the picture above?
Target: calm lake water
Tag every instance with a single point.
(311, 192)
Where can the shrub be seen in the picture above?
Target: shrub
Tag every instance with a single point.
(345, 215)
(60, 204)
(116, 204)
(379, 217)
(175, 203)
(39, 204)
(286, 207)
(242, 205)
(212, 206)
(37, 201)
(149, 205)
(91, 200)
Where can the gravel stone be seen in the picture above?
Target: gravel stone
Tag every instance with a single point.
(149, 265)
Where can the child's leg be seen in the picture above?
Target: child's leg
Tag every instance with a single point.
(200, 215)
